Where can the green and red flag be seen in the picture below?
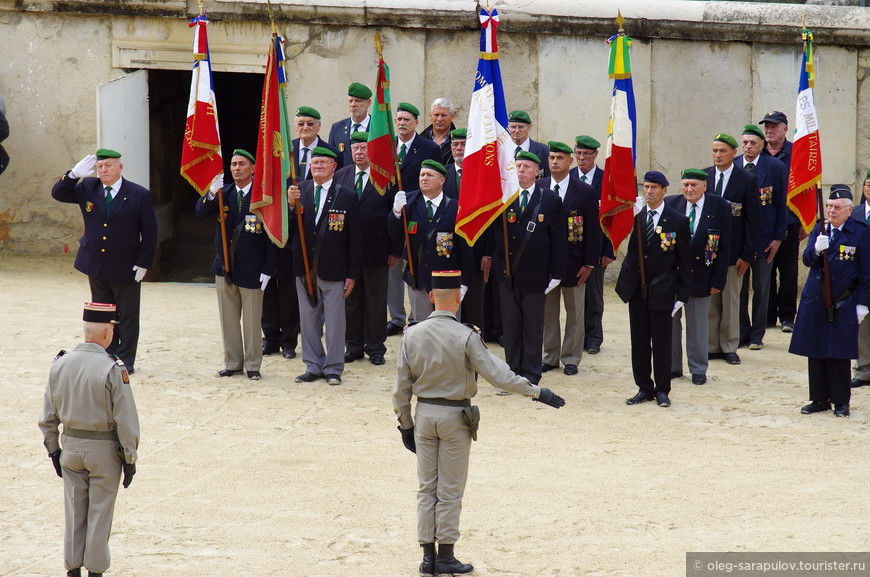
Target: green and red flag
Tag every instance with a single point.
(274, 149)
(382, 136)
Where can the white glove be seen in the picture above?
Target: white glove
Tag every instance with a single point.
(638, 205)
(677, 306)
(462, 290)
(140, 273)
(553, 284)
(862, 312)
(399, 203)
(822, 243)
(264, 280)
(216, 185)
(85, 167)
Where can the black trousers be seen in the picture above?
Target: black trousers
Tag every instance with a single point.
(651, 342)
(594, 312)
(472, 305)
(280, 319)
(782, 303)
(522, 316)
(492, 325)
(829, 380)
(365, 309)
(126, 297)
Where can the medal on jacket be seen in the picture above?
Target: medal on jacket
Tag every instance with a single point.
(669, 239)
(765, 195)
(736, 209)
(336, 221)
(89, 206)
(511, 216)
(253, 224)
(575, 227)
(846, 252)
(711, 250)
(444, 244)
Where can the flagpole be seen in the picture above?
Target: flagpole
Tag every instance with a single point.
(379, 46)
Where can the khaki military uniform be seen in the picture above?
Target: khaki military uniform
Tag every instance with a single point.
(89, 393)
(438, 362)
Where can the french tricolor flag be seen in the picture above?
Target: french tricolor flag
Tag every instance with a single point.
(489, 175)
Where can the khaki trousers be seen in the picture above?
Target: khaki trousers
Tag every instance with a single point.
(723, 334)
(91, 474)
(568, 350)
(443, 448)
(241, 344)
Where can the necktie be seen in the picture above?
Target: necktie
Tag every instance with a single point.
(868, 215)
(109, 200)
(402, 152)
(650, 229)
(356, 127)
(303, 163)
(834, 232)
(240, 194)
(429, 212)
(459, 183)
(692, 219)
(718, 190)
(317, 190)
(524, 201)
(517, 151)
(556, 189)
(749, 166)
(358, 186)
(583, 178)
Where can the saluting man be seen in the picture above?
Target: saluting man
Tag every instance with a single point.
(830, 343)
(89, 393)
(119, 243)
(438, 364)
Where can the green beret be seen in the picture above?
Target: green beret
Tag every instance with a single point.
(753, 130)
(359, 137)
(693, 174)
(307, 111)
(358, 90)
(105, 153)
(320, 151)
(523, 155)
(519, 116)
(245, 153)
(409, 108)
(868, 174)
(459, 133)
(727, 139)
(555, 146)
(434, 165)
(586, 142)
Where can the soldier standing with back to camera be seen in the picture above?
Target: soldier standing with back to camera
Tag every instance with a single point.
(438, 364)
(89, 393)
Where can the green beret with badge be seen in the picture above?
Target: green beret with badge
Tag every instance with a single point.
(320, 151)
(245, 153)
(519, 116)
(556, 146)
(104, 153)
(308, 111)
(753, 130)
(459, 134)
(694, 174)
(359, 137)
(405, 106)
(586, 143)
(358, 90)
(727, 139)
(434, 165)
(526, 155)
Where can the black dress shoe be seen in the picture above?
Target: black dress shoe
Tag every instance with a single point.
(640, 397)
(699, 379)
(570, 369)
(855, 383)
(254, 375)
(732, 358)
(229, 372)
(351, 357)
(130, 369)
(90, 574)
(268, 349)
(676, 374)
(394, 329)
(713, 356)
(841, 411)
(74, 573)
(546, 367)
(501, 342)
(333, 380)
(662, 400)
(289, 354)
(307, 377)
(593, 349)
(376, 359)
(743, 344)
(816, 407)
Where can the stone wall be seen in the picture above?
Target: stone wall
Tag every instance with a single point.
(699, 68)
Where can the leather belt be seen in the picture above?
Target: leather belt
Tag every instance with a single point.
(93, 435)
(444, 402)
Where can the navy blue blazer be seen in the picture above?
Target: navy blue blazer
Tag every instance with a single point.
(297, 150)
(859, 213)
(111, 245)
(742, 193)
(597, 180)
(338, 229)
(583, 231)
(252, 253)
(709, 245)
(420, 150)
(434, 245)
(373, 212)
(544, 255)
(339, 139)
(772, 178)
(667, 262)
(542, 151)
(849, 266)
(451, 183)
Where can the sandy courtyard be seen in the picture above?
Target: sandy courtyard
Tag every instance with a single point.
(276, 478)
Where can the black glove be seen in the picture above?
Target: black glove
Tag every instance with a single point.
(129, 471)
(548, 397)
(55, 460)
(408, 439)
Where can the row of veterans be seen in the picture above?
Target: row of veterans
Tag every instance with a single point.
(759, 219)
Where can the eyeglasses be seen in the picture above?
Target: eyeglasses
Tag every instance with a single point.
(585, 152)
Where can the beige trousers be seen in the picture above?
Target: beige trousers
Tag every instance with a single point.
(568, 350)
(723, 334)
(243, 345)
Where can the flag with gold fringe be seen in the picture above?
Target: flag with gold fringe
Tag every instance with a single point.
(381, 132)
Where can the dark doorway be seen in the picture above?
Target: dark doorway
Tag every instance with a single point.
(187, 255)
